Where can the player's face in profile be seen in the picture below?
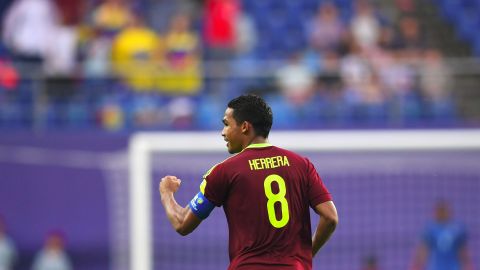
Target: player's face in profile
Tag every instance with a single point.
(231, 132)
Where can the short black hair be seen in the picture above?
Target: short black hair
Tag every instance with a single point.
(255, 110)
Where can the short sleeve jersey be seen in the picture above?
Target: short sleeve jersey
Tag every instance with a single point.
(445, 240)
(266, 193)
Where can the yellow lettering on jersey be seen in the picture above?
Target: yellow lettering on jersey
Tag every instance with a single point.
(285, 161)
(268, 163)
(252, 164)
(264, 164)
(258, 165)
(273, 162)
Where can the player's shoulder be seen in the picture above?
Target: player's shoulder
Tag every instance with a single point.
(219, 165)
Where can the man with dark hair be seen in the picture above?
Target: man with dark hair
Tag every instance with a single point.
(265, 191)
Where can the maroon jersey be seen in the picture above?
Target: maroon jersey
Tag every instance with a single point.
(266, 193)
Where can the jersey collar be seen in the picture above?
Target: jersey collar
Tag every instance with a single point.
(258, 145)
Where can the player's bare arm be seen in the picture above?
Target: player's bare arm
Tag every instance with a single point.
(465, 259)
(183, 220)
(420, 258)
(326, 225)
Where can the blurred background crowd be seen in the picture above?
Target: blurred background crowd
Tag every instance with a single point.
(126, 65)
(50, 256)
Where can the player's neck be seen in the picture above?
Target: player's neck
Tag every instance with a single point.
(256, 140)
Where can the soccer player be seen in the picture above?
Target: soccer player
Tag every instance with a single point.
(444, 243)
(265, 191)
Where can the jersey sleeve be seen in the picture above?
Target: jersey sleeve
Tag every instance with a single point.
(215, 185)
(317, 191)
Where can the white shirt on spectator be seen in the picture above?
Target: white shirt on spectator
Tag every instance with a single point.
(296, 81)
(51, 260)
(8, 253)
(29, 26)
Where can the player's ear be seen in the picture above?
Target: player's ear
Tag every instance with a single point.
(245, 127)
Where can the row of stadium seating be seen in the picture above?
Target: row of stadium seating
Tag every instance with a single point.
(282, 24)
(126, 110)
(464, 15)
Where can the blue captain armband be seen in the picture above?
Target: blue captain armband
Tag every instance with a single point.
(201, 206)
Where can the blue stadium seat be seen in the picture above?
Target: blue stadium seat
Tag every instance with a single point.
(284, 112)
(294, 5)
(470, 4)
(343, 4)
(209, 112)
(79, 115)
(258, 9)
(248, 6)
(281, 23)
(310, 7)
(451, 10)
(468, 26)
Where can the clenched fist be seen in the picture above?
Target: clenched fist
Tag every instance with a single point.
(169, 184)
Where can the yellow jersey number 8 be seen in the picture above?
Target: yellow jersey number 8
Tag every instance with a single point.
(273, 198)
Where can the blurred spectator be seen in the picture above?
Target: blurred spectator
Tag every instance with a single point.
(365, 26)
(363, 85)
(383, 61)
(436, 84)
(160, 12)
(181, 74)
(371, 108)
(148, 111)
(71, 12)
(387, 38)
(335, 107)
(52, 256)
(111, 115)
(246, 35)
(96, 54)
(405, 6)
(295, 81)
(444, 243)
(60, 56)
(326, 30)
(245, 65)
(401, 83)
(409, 38)
(329, 78)
(8, 75)
(355, 71)
(220, 24)
(220, 36)
(112, 16)
(8, 252)
(29, 28)
(136, 55)
(181, 112)
(382, 56)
